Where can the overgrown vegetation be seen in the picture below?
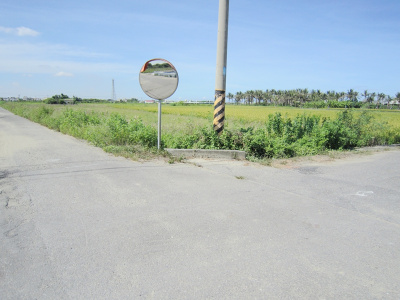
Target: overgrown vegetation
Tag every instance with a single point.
(286, 137)
(278, 137)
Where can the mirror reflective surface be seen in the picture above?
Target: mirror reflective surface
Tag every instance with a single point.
(158, 79)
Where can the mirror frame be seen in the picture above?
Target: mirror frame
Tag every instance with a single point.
(143, 69)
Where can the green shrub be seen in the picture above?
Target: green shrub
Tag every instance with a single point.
(141, 134)
(133, 132)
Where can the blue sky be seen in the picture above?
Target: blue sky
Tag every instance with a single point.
(78, 47)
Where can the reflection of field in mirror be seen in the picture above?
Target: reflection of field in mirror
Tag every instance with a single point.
(161, 67)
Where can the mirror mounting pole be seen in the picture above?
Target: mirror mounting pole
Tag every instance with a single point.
(159, 80)
(159, 126)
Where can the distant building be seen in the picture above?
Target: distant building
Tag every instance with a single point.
(12, 99)
(394, 102)
(69, 101)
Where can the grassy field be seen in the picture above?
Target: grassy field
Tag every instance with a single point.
(263, 132)
(236, 115)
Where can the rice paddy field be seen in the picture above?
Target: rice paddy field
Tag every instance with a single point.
(236, 115)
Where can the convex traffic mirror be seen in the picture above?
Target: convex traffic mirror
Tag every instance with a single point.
(158, 79)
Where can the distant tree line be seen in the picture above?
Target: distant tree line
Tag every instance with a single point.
(61, 99)
(315, 98)
(157, 67)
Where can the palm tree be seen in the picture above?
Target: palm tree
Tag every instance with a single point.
(355, 96)
(397, 98)
(330, 95)
(352, 95)
(230, 96)
(291, 97)
(250, 97)
(313, 95)
(302, 96)
(259, 95)
(371, 97)
(389, 100)
(365, 95)
(246, 97)
(324, 96)
(340, 96)
(267, 97)
(280, 98)
(238, 97)
(381, 97)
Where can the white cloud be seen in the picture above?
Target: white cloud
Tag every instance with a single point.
(55, 59)
(20, 31)
(6, 30)
(63, 74)
(23, 31)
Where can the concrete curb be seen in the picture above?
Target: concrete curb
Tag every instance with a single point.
(203, 153)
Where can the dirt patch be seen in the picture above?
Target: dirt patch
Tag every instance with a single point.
(306, 163)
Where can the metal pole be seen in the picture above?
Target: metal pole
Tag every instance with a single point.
(159, 125)
(220, 79)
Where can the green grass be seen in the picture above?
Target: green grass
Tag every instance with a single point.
(263, 132)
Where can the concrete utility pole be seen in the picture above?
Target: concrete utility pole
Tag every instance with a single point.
(220, 79)
(113, 96)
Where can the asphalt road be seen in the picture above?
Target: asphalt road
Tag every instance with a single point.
(77, 223)
(158, 87)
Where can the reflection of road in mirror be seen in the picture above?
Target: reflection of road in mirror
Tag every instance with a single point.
(158, 79)
(159, 86)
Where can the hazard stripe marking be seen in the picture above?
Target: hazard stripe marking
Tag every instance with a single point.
(219, 111)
